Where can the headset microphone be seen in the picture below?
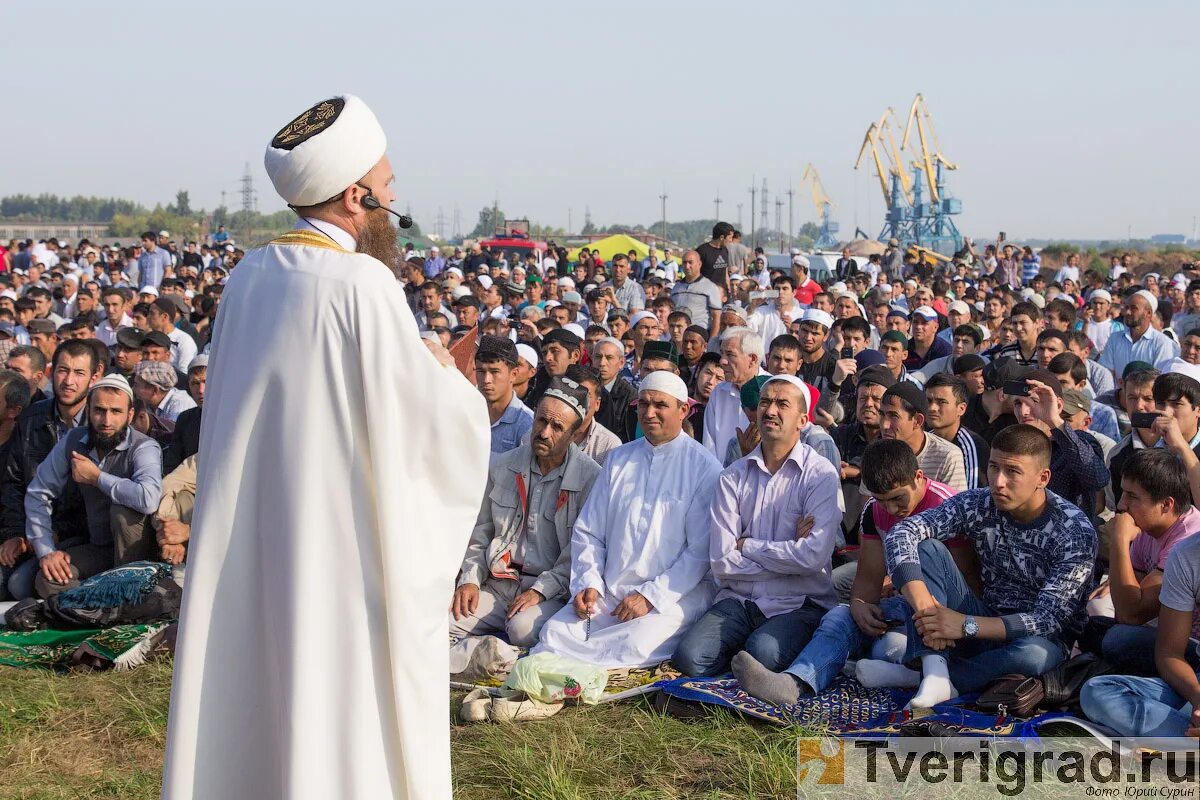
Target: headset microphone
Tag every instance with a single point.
(370, 202)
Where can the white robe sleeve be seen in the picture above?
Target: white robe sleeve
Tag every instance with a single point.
(589, 540)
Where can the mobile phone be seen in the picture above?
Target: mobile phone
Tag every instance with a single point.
(893, 623)
(1016, 388)
(847, 352)
(1144, 419)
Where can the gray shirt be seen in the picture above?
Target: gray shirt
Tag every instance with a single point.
(699, 297)
(130, 476)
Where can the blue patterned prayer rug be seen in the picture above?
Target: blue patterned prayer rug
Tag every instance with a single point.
(847, 708)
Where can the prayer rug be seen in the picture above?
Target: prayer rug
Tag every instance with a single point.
(847, 708)
(120, 647)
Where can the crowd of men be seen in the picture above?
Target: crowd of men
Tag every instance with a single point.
(104, 352)
(943, 472)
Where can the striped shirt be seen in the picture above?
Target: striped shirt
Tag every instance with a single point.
(975, 453)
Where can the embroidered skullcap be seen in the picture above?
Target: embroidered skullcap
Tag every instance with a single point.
(570, 392)
(666, 382)
(324, 150)
(118, 382)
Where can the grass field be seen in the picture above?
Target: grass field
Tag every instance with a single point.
(102, 736)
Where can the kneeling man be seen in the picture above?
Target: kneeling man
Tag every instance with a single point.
(518, 565)
(774, 517)
(1036, 555)
(639, 553)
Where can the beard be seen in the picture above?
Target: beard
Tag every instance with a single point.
(101, 442)
(378, 239)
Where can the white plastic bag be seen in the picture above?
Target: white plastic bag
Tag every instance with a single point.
(552, 678)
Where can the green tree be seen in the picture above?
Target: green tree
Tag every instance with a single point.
(182, 205)
(490, 219)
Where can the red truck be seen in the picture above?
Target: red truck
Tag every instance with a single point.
(513, 240)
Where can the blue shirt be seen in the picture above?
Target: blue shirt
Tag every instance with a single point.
(221, 237)
(511, 428)
(1104, 420)
(1153, 347)
(130, 480)
(152, 267)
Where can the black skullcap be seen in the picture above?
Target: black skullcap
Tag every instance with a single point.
(1002, 370)
(158, 339)
(968, 363)
(878, 375)
(911, 394)
(699, 330)
(496, 348)
(563, 337)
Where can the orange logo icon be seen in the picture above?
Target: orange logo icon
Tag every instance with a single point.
(821, 760)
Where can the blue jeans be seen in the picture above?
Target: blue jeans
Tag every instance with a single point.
(732, 625)
(974, 663)
(838, 637)
(16, 582)
(1134, 706)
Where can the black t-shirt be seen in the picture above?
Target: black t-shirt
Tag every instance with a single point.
(714, 262)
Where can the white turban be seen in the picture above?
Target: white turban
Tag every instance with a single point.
(529, 354)
(614, 341)
(324, 150)
(665, 382)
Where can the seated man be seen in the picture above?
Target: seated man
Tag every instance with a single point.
(173, 522)
(517, 566)
(185, 438)
(898, 490)
(154, 383)
(1154, 516)
(774, 520)
(1168, 706)
(1036, 554)
(118, 472)
(639, 552)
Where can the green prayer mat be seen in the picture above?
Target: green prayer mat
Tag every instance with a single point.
(121, 647)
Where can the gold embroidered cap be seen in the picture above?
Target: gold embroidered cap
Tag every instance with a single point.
(324, 150)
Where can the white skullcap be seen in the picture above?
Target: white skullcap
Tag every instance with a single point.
(434, 249)
(799, 384)
(799, 261)
(324, 150)
(459, 291)
(795, 251)
(575, 328)
(114, 381)
(1150, 298)
(148, 290)
(959, 307)
(614, 341)
(640, 316)
(566, 281)
(552, 304)
(529, 354)
(485, 281)
(199, 362)
(837, 288)
(665, 382)
(499, 312)
(1100, 294)
(818, 316)
(455, 271)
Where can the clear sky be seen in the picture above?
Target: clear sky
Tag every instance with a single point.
(1068, 119)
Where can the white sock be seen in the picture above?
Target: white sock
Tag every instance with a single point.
(876, 674)
(935, 685)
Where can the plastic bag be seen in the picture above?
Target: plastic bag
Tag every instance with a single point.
(552, 678)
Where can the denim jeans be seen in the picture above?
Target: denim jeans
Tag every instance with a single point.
(1129, 648)
(732, 625)
(1136, 706)
(18, 579)
(974, 663)
(838, 638)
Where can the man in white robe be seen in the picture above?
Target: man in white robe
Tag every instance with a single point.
(311, 660)
(639, 552)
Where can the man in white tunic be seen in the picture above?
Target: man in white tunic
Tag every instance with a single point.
(639, 553)
(311, 660)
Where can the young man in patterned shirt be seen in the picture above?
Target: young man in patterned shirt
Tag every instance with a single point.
(1036, 554)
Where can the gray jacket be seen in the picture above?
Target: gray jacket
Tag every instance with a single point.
(502, 519)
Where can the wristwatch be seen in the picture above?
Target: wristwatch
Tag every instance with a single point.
(970, 627)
